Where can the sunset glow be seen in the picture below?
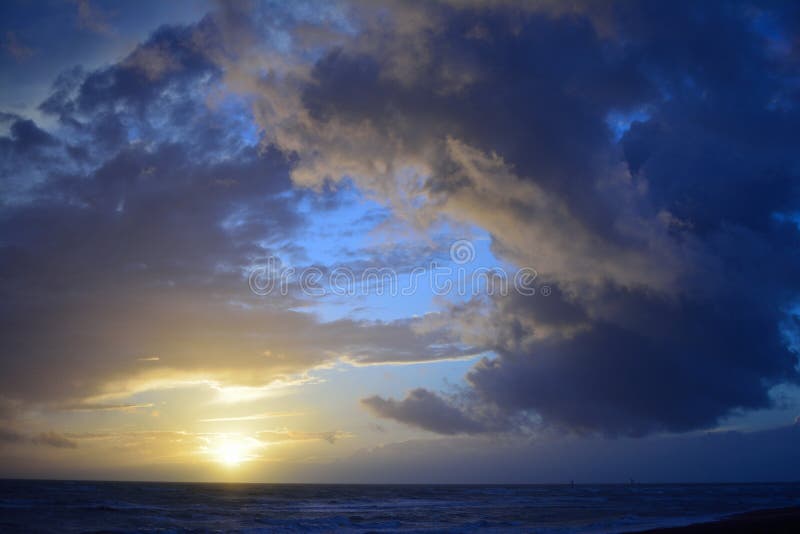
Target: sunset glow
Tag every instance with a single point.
(232, 451)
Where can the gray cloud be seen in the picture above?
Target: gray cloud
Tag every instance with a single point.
(54, 439)
(48, 439)
(424, 409)
(11, 436)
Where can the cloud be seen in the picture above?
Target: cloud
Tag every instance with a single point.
(92, 19)
(253, 417)
(11, 436)
(15, 48)
(12, 430)
(424, 409)
(667, 234)
(277, 436)
(96, 407)
(557, 459)
(669, 237)
(130, 230)
(9, 409)
(54, 439)
(26, 137)
(632, 374)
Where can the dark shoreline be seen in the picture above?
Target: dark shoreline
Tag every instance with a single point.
(773, 520)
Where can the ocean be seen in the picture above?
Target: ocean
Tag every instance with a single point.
(79, 506)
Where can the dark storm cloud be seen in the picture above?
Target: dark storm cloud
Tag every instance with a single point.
(172, 57)
(426, 410)
(162, 80)
(718, 156)
(26, 136)
(651, 364)
(669, 237)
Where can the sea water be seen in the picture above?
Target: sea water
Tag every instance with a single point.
(64, 506)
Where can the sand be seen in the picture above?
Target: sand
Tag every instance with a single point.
(780, 520)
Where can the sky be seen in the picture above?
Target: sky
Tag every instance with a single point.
(358, 241)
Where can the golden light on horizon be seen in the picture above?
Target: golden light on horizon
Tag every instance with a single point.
(233, 450)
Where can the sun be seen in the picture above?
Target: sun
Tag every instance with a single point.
(230, 454)
(232, 451)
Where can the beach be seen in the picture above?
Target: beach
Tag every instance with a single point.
(774, 520)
